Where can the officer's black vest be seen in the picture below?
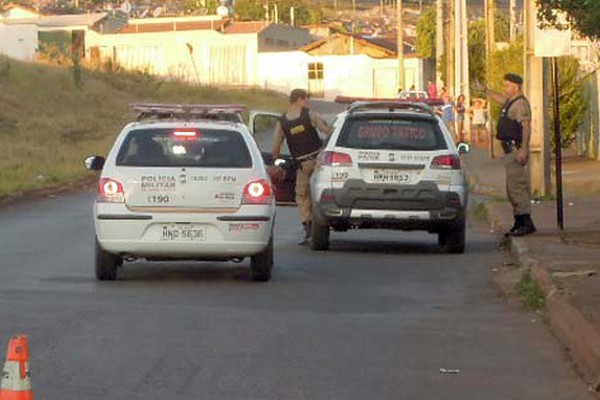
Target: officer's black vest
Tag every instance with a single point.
(509, 130)
(301, 135)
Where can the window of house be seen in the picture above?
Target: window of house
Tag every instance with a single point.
(315, 70)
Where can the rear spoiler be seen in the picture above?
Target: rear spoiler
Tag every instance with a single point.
(350, 100)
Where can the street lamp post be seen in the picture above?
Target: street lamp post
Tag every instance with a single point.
(400, 40)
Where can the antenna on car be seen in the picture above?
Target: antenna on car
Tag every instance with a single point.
(184, 111)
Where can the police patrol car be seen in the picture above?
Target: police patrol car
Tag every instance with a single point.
(183, 182)
(390, 165)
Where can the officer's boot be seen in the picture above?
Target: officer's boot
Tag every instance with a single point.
(306, 232)
(518, 222)
(525, 228)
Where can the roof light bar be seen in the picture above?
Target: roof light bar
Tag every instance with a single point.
(150, 109)
(391, 105)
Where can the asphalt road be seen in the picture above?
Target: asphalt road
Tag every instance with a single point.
(376, 317)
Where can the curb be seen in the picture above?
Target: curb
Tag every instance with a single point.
(568, 324)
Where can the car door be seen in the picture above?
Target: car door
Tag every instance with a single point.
(262, 124)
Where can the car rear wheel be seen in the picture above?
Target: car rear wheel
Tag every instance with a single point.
(262, 263)
(453, 239)
(106, 264)
(320, 236)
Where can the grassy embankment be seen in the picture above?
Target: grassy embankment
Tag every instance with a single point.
(48, 124)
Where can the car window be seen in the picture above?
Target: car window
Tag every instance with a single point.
(184, 148)
(386, 133)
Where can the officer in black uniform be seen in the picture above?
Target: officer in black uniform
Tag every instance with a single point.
(514, 133)
(298, 126)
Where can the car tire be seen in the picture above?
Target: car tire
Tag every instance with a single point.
(453, 240)
(106, 264)
(319, 236)
(261, 264)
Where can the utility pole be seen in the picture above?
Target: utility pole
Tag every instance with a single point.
(490, 47)
(513, 20)
(439, 40)
(534, 89)
(461, 49)
(450, 48)
(400, 40)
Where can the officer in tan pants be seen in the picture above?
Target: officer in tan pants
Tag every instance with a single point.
(514, 132)
(298, 126)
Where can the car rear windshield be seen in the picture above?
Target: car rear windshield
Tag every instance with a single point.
(385, 133)
(212, 148)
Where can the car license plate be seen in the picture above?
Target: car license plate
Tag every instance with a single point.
(391, 176)
(183, 233)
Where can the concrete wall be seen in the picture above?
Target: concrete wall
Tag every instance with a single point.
(18, 13)
(19, 41)
(350, 75)
(214, 57)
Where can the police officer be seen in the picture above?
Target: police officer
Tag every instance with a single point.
(298, 126)
(514, 133)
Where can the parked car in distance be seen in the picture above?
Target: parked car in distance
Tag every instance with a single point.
(182, 183)
(390, 165)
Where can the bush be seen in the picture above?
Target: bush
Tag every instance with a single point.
(5, 66)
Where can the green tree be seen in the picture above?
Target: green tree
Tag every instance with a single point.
(477, 50)
(302, 16)
(501, 27)
(426, 27)
(583, 15)
(315, 15)
(573, 102)
(249, 10)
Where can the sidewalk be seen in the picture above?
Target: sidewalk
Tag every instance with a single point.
(565, 264)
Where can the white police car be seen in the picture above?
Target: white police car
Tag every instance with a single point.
(390, 165)
(183, 184)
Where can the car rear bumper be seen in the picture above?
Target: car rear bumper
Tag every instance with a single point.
(184, 236)
(444, 210)
(204, 250)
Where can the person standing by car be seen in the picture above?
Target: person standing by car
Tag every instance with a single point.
(460, 117)
(298, 126)
(514, 133)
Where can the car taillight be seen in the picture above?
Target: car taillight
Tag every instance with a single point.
(449, 161)
(257, 192)
(110, 191)
(336, 159)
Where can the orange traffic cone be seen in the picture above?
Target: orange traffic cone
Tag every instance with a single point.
(15, 378)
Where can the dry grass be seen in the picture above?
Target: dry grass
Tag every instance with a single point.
(48, 125)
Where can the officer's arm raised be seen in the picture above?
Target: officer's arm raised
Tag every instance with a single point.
(495, 96)
(320, 123)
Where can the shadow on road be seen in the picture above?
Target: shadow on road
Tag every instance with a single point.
(185, 271)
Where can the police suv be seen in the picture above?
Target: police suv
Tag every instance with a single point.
(390, 165)
(183, 182)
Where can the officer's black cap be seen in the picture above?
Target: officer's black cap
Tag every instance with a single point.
(298, 94)
(514, 78)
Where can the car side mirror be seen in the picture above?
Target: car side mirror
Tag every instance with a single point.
(94, 163)
(463, 148)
